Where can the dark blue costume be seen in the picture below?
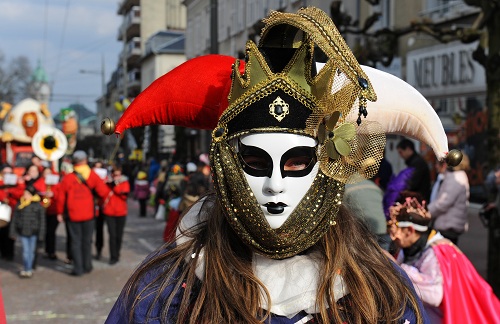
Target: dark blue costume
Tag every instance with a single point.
(121, 309)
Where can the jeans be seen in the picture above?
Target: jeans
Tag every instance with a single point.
(29, 250)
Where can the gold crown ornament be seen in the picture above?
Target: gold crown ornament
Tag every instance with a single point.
(280, 90)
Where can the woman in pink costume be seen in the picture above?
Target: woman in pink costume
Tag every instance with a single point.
(448, 284)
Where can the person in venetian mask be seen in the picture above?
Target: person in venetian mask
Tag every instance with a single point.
(273, 243)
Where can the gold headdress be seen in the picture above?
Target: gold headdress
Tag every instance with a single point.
(281, 91)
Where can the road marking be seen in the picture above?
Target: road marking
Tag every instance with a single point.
(146, 245)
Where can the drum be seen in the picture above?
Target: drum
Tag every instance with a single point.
(5, 213)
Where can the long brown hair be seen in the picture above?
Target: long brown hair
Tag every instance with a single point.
(231, 293)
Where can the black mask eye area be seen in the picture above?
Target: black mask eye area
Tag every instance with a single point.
(255, 161)
(296, 162)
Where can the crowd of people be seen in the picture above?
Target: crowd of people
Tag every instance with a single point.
(43, 198)
(418, 225)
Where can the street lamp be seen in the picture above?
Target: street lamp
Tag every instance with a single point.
(98, 72)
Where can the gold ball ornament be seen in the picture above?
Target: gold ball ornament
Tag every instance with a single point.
(107, 126)
(454, 158)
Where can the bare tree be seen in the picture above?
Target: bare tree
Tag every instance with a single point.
(15, 77)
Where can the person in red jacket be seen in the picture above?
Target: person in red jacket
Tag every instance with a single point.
(11, 190)
(115, 211)
(47, 186)
(76, 193)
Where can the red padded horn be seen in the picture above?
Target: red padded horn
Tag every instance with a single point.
(194, 95)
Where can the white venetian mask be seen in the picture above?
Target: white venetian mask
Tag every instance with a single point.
(280, 168)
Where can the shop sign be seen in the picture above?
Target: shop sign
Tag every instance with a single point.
(445, 69)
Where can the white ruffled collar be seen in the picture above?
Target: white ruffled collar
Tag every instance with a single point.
(292, 283)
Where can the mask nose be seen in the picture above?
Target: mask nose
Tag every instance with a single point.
(274, 184)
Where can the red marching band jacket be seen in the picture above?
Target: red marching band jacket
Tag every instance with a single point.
(76, 198)
(43, 190)
(11, 193)
(115, 204)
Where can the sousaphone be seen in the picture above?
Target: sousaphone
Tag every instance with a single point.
(49, 143)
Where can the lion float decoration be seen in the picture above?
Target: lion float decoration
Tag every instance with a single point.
(23, 120)
(28, 129)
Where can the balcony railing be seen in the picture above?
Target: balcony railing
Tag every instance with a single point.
(134, 78)
(447, 11)
(130, 26)
(131, 51)
(125, 5)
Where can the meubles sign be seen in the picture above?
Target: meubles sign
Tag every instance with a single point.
(445, 69)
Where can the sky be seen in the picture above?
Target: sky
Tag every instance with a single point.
(66, 36)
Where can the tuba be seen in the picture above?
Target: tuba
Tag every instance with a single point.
(49, 143)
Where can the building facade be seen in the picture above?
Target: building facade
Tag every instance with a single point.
(152, 33)
(455, 85)
(235, 23)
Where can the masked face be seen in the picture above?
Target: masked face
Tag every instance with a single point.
(279, 168)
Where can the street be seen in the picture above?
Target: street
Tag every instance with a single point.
(53, 296)
(474, 243)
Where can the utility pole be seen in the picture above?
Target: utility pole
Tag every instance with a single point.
(124, 64)
(103, 75)
(214, 39)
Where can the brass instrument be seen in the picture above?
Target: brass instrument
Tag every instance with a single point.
(49, 143)
(50, 180)
(46, 201)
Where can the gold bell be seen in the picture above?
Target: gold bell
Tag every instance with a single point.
(454, 158)
(107, 126)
